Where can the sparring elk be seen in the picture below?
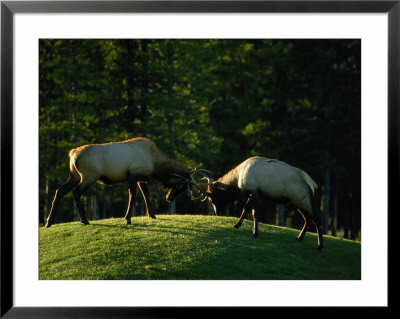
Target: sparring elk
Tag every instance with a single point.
(135, 160)
(260, 178)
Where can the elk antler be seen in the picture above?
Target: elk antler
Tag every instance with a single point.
(203, 173)
(191, 181)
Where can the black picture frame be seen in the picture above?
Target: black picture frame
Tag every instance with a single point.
(9, 8)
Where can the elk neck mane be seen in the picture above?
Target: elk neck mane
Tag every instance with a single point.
(164, 166)
(230, 179)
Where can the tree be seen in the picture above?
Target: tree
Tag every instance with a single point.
(209, 103)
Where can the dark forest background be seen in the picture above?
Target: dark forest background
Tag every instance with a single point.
(208, 104)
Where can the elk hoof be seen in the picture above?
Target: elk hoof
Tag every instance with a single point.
(85, 222)
(153, 217)
(128, 221)
(299, 238)
(48, 225)
(319, 248)
(255, 235)
(236, 226)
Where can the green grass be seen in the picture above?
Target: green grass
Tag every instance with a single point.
(190, 247)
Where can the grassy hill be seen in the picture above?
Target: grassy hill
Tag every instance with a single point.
(190, 247)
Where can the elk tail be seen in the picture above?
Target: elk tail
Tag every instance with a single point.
(310, 182)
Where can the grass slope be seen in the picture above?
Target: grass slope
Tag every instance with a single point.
(190, 247)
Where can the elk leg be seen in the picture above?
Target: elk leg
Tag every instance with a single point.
(69, 185)
(131, 201)
(145, 192)
(248, 205)
(316, 220)
(305, 227)
(77, 193)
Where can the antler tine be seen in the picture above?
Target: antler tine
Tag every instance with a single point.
(208, 179)
(197, 185)
(202, 197)
(193, 170)
(203, 173)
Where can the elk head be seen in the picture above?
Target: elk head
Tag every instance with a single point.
(189, 184)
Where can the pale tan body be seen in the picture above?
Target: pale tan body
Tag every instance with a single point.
(135, 160)
(114, 160)
(262, 178)
(275, 180)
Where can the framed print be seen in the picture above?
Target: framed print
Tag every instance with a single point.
(188, 80)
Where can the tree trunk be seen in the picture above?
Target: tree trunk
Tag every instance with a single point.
(280, 214)
(210, 209)
(134, 204)
(145, 81)
(47, 203)
(142, 207)
(103, 211)
(172, 207)
(334, 215)
(130, 46)
(76, 214)
(326, 201)
(171, 111)
(95, 205)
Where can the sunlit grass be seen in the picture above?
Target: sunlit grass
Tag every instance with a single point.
(190, 247)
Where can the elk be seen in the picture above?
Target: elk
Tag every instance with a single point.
(259, 179)
(136, 161)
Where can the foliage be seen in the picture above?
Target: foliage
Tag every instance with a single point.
(207, 103)
(190, 247)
